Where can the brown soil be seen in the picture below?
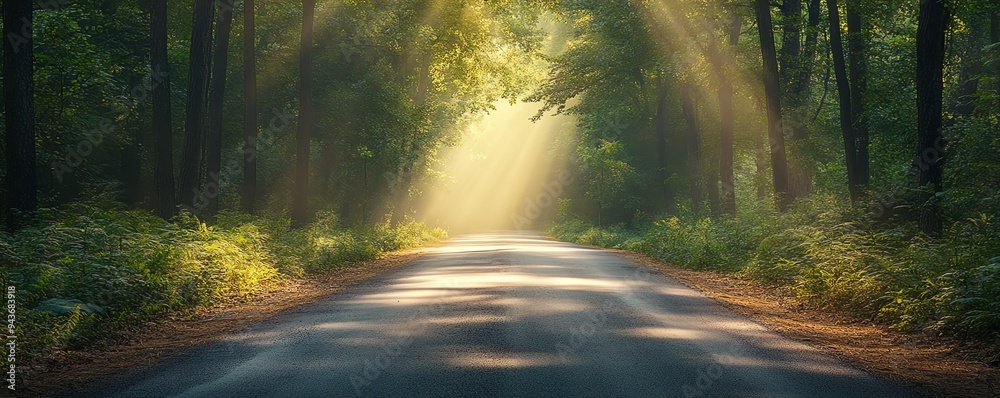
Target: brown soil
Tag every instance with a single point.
(936, 365)
(136, 349)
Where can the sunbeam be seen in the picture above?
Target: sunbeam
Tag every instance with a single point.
(497, 175)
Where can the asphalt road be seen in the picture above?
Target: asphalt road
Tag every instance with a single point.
(505, 315)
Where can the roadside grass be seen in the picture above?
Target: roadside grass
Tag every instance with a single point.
(85, 270)
(833, 257)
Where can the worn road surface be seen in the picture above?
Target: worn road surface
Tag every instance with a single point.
(505, 315)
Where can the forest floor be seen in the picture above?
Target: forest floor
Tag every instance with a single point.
(939, 366)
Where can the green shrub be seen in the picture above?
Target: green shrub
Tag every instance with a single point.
(578, 231)
(833, 256)
(87, 269)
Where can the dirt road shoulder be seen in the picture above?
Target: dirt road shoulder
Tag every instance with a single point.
(941, 367)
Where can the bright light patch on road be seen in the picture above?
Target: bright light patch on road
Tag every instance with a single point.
(666, 333)
(494, 360)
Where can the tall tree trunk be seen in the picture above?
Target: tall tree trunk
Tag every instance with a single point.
(727, 116)
(693, 146)
(963, 101)
(811, 45)
(163, 173)
(727, 150)
(213, 161)
(846, 108)
(300, 196)
(712, 186)
(323, 174)
(790, 57)
(933, 22)
(772, 92)
(19, 108)
(964, 96)
(249, 197)
(131, 166)
(995, 39)
(857, 48)
(760, 166)
(194, 124)
(794, 67)
(419, 95)
(801, 171)
(720, 203)
(662, 157)
(405, 179)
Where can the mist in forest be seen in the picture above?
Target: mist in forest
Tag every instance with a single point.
(503, 175)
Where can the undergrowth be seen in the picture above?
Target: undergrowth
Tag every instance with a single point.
(84, 270)
(834, 257)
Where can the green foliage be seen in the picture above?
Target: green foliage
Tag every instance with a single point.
(831, 256)
(726, 243)
(577, 231)
(85, 270)
(611, 180)
(978, 303)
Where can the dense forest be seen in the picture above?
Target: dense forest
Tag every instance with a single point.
(166, 155)
(847, 152)
(162, 156)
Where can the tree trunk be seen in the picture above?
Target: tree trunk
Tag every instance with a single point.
(727, 142)
(995, 39)
(163, 173)
(19, 108)
(933, 23)
(972, 67)
(760, 166)
(131, 166)
(964, 96)
(194, 124)
(419, 95)
(724, 203)
(772, 92)
(249, 196)
(811, 45)
(794, 73)
(693, 147)
(662, 157)
(727, 150)
(857, 48)
(402, 195)
(213, 161)
(712, 185)
(791, 63)
(801, 171)
(300, 196)
(844, 89)
(403, 181)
